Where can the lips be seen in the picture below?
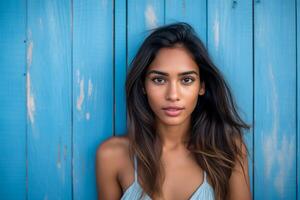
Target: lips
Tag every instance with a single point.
(173, 111)
(173, 108)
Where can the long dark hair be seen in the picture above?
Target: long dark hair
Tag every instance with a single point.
(216, 124)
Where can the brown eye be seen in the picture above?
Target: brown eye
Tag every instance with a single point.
(188, 80)
(158, 80)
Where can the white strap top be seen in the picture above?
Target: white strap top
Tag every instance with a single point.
(133, 192)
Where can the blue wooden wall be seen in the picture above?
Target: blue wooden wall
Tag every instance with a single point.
(64, 64)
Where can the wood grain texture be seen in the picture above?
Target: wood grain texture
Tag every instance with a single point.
(120, 58)
(49, 99)
(64, 65)
(143, 15)
(275, 100)
(92, 89)
(298, 99)
(13, 100)
(192, 12)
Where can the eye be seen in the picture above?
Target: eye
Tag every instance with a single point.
(188, 80)
(158, 80)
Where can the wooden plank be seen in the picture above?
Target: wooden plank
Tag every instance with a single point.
(120, 66)
(298, 98)
(143, 15)
(13, 100)
(192, 12)
(230, 45)
(49, 99)
(275, 99)
(93, 89)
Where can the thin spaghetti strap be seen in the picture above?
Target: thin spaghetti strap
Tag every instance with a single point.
(204, 176)
(135, 169)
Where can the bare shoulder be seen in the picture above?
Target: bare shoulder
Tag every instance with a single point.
(112, 149)
(110, 157)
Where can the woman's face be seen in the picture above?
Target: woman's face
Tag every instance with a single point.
(173, 80)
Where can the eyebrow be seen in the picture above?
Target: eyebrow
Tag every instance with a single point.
(166, 74)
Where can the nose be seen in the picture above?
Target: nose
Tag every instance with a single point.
(172, 92)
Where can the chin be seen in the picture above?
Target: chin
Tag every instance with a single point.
(172, 121)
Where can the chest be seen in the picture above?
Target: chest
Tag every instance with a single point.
(182, 178)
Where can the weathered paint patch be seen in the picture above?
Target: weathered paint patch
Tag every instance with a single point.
(29, 95)
(271, 140)
(87, 116)
(29, 53)
(216, 30)
(285, 157)
(90, 88)
(58, 163)
(30, 100)
(151, 19)
(81, 95)
(276, 149)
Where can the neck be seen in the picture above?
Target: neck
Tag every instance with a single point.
(175, 136)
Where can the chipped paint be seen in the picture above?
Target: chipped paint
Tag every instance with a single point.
(87, 116)
(29, 95)
(90, 88)
(81, 95)
(151, 20)
(216, 29)
(276, 149)
(30, 100)
(285, 162)
(58, 162)
(271, 140)
(78, 76)
(29, 53)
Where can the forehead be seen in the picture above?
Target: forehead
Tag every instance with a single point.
(173, 60)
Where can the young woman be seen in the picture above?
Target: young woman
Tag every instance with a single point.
(184, 138)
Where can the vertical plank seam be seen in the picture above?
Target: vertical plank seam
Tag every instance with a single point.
(253, 99)
(296, 27)
(72, 112)
(26, 108)
(114, 66)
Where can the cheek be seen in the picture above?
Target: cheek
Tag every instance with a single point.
(190, 98)
(154, 97)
